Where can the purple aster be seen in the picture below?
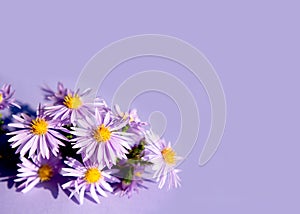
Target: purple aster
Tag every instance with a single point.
(133, 118)
(6, 97)
(135, 125)
(130, 186)
(90, 177)
(68, 106)
(56, 97)
(163, 159)
(101, 138)
(38, 171)
(38, 136)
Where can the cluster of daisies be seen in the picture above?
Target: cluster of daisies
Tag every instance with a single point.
(95, 149)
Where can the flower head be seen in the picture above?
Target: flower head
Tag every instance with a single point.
(132, 115)
(67, 106)
(38, 171)
(89, 177)
(6, 97)
(37, 135)
(164, 159)
(132, 180)
(101, 138)
(55, 96)
(134, 125)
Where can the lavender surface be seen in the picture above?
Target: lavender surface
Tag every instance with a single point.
(254, 47)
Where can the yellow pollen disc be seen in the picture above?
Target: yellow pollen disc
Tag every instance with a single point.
(92, 175)
(39, 126)
(102, 134)
(169, 155)
(1, 98)
(45, 172)
(138, 174)
(72, 102)
(131, 119)
(126, 115)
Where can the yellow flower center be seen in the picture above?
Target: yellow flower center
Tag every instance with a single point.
(39, 126)
(126, 115)
(72, 102)
(102, 134)
(92, 175)
(169, 155)
(1, 98)
(45, 172)
(138, 174)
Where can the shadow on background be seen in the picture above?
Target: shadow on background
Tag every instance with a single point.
(8, 158)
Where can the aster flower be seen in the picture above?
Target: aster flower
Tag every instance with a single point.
(6, 97)
(39, 171)
(132, 180)
(38, 136)
(119, 155)
(55, 96)
(164, 159)
(101, 138)
(135, 125)
(68, 106)
(90, 177)
(134, 119)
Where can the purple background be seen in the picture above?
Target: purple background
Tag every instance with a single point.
(254, 47)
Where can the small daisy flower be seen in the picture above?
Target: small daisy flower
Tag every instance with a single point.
(90, 177)
(135, 125)
(39, 171)
(56, 97)
(133, 118)
(6, 97)
(101, 138)
(38, 135)
(68, 106)
(164, 159)
(129, 186)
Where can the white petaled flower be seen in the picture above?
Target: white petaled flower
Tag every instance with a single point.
(38, 171)
(89, 178)
(101, 138)
(67, 106)
(164, 158)
(38, 135)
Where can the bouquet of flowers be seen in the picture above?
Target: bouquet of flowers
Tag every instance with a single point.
(93, 149)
